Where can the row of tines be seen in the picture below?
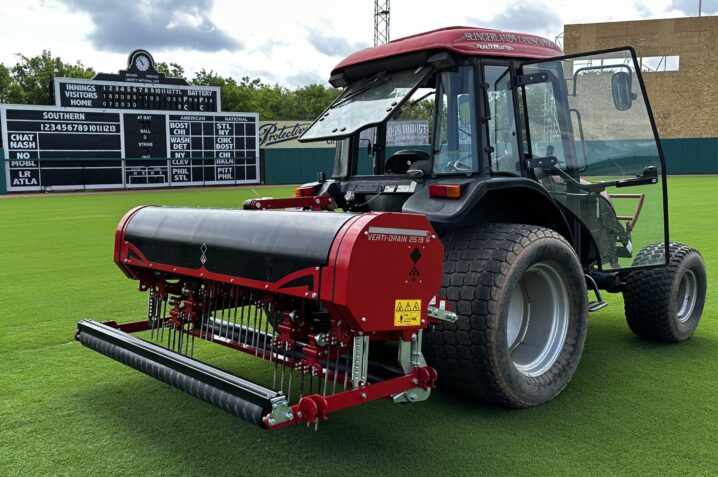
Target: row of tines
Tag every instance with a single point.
(246, 321)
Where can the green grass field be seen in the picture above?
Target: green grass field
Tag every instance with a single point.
(632, 407)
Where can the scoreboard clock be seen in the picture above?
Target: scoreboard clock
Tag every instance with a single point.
(142, 62)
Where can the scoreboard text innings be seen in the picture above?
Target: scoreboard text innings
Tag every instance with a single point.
(160, 148)
(79, 93)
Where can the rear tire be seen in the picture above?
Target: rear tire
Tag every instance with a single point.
(665, 304)
(520, 294)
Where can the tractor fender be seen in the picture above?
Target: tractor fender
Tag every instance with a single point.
(491, 199)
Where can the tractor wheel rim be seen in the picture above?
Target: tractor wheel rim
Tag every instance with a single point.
(687, 296)
(538, 318)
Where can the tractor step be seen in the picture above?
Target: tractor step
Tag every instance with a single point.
(599, 303)
(238, 396)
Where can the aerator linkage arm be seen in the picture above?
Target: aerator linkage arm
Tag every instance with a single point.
(323, 202)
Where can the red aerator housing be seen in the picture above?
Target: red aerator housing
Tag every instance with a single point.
(358, 265)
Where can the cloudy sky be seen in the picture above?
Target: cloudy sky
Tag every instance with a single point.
(281, 41)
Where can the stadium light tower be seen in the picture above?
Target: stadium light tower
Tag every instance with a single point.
(381, 22)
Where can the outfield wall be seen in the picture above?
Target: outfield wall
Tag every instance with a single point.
(296, 166)
(691, 155)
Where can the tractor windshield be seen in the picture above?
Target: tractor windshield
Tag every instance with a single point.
(587, 115)
(386, 125)
(365, 102)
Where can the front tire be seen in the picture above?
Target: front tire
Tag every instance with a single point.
(665, 304)
(520, 294)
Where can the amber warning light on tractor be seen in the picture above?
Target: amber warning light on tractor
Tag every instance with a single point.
(445, 191)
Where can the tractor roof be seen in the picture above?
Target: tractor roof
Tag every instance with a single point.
(463, 40)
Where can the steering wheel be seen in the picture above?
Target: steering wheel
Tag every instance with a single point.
(458, 166)
(455, 161)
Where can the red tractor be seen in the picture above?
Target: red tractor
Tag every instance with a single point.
(464, 260)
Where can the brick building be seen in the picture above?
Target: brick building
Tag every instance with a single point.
(679, 58)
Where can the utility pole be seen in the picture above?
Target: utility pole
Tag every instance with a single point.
(381, 22)
(700, 7)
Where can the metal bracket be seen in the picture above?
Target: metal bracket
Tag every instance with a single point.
(443, 315)
(280, 411)
(410, 356)
(541, 162)
(360, 361)
(522, 80)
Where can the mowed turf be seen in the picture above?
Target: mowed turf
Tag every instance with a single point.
(632, 408)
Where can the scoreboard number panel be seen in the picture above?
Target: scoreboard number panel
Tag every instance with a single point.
(48, 147)
(226, 142)
(60, 133)
(146, 173)
(145, 135)
(79, 93)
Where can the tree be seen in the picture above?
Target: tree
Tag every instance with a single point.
(233, 98)
(31, 77)
(312, 100)
(28, 83)
(5, 84)
(272, 102)
(208, 78)
(423, 109)
(173, 70)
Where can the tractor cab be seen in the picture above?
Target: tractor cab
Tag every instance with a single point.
(505, 129)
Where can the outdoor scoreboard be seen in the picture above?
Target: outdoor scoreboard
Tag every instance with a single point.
(131, 130)
(166, 149)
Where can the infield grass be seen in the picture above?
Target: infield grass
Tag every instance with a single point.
(632, 408)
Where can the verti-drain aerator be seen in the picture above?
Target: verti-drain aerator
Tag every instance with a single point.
(306, 292)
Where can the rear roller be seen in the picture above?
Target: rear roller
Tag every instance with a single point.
(240, 397)
(521, 297)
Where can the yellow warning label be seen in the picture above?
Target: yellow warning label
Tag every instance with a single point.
(407, 312)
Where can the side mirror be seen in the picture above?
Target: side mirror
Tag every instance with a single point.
(649, 172)
(648, 176)
(623, 97)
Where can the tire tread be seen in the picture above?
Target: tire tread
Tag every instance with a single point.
(647, 293)
(477, 261)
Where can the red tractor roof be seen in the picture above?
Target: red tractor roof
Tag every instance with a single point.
(464, 40)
